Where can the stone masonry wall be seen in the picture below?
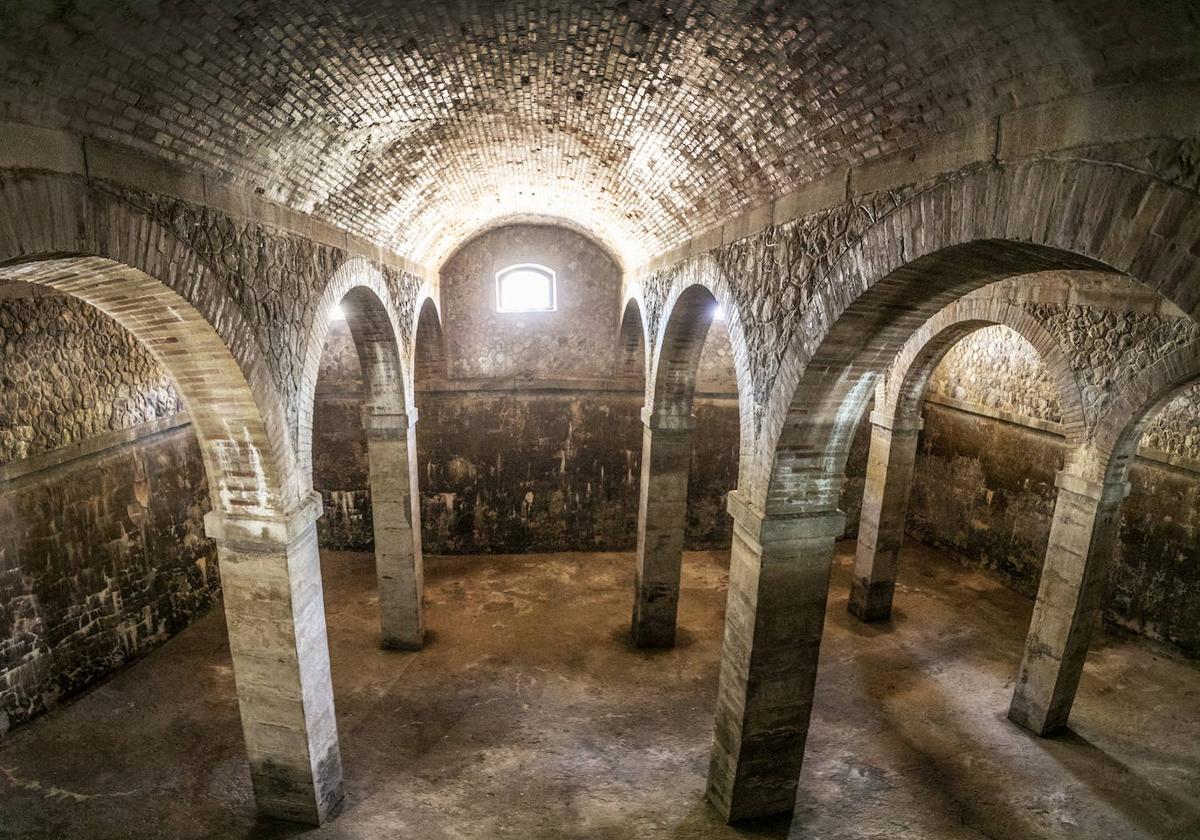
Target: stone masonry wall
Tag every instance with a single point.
(102, 551)
(984, 486)
(68, 372)
(549, 465)
(515, 471)
(578, 339)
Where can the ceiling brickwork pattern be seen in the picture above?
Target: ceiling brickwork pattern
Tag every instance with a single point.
(417, 123)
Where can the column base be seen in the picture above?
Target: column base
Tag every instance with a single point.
(654, 617)
(1039, 722)
(762, 787)
(403, 642)
(870, 602)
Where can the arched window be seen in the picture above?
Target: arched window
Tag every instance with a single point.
(525, 287)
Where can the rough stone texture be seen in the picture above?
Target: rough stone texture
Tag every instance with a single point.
(643, 121)
(1155, 584)
(524, 469)
(276, 279)
(1175, 428)
(716, 373)
(985, 490)
(1110, 348)
(995, 367)
(69, 372)
(101, 560)
(578, 339)
(712, 475)
(480, 454)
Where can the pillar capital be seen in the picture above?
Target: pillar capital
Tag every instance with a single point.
(263, 532)
(895, 424)
(1097, 491)
(763, 528)
(667, 422)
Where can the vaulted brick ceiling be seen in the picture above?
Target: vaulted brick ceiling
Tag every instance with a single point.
(416, 123)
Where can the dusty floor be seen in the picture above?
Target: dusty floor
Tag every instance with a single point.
(528, 716)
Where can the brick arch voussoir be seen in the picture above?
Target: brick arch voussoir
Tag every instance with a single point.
(701, 272)
(82, 241)
(902, 390)
(991, 221)
(376, 314)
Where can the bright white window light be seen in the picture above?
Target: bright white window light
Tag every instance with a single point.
(338, 314)
(525, 287)
(719, 313)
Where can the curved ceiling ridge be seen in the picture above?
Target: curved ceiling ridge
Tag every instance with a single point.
(416, 123)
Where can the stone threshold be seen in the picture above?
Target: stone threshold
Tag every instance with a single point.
(1049, 427)
(64, 455)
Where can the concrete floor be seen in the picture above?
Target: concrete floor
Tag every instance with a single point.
(529, 716)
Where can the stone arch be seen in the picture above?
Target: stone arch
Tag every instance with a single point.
(869, 296)
(430, 357)
(247, 476)
(389, 419)
(943, 242)
(1115, 440)
(896, 424)
(901, 392)
(137, 265)
(680, 329)
(352, 274)
(632, 347)
(265, 535)
(678, 316)
(1091, 488)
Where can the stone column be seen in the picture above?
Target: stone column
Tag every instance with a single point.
(396, 509)
(271, 584)
(1073, 580)
(885, 504)
(778, 583)
(662, 512)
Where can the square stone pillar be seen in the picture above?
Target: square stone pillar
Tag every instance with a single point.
(396, 511)
(885, 505)
(662, 515)
(778, 584)
(271, 585)
(1073, 580)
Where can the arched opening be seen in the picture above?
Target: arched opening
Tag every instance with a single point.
(677, 494)
(789, 546)
(262, 525)
(363, 446)
(982, 353)
(1085, 535)
(631, 347)
(429, 349)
